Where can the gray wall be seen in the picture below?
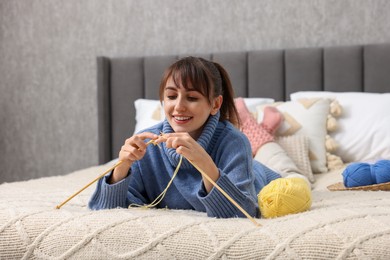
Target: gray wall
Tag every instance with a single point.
(48, 122)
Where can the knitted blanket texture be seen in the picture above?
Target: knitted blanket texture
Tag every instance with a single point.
(340, 225)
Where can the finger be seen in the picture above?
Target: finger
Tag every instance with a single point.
(134, 141)
(171, 142)
(133, 153)
(160, 139)
(147, 135)
(185, 151)
(182, 135)
(139, 141)
(177, 142)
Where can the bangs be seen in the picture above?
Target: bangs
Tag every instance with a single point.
(208, 78)
(191, 74)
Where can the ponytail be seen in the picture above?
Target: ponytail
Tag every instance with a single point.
(228, 109)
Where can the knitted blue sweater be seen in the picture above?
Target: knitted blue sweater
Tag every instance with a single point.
(240, 176)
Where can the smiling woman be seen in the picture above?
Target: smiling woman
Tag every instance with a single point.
(331, 229)
(201, 125)
(187, 109)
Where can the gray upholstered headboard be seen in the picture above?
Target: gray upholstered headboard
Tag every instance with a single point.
(262, 73)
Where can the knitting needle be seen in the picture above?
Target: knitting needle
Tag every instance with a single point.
(95, 180)
(89, 184)
(225, 194)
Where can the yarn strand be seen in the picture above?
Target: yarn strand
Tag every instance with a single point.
(159, 198)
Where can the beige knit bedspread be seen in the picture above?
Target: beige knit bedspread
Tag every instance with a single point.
(340, 225)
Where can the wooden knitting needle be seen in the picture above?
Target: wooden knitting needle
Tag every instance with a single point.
(225, 194)
(95, 180)
(89, 184)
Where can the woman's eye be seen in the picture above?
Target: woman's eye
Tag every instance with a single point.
(171, 97)
(192, 98)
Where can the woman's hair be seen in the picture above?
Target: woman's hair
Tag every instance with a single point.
(207, 77)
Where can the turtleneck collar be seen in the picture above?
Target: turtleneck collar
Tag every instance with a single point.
(203, 140)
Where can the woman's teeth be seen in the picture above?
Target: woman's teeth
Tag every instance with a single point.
(181, 118)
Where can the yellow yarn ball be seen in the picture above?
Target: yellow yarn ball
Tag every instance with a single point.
(284, 196)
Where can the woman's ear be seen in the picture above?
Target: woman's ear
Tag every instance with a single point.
(217, 103)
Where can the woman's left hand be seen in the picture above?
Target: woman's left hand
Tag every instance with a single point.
(186, 146)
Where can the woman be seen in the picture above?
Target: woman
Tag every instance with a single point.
(201, 125)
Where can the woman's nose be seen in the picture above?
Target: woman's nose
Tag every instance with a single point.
(180, 104)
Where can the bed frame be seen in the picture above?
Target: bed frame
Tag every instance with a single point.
(340, 224)
(263, 73)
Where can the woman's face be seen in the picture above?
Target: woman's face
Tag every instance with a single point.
(187, 110)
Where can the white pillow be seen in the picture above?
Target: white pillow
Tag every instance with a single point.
(306, 117)
(252, 103)
(364, 125)
(149, 112)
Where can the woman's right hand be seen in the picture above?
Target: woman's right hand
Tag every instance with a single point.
(132, 150)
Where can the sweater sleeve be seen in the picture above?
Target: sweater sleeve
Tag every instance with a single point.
(235, 166)
(217, 205)
(121, 194)
(108, 196)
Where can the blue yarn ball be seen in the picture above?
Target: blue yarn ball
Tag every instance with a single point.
(358, 174)
(381, 171)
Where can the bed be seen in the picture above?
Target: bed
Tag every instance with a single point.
(352, 224)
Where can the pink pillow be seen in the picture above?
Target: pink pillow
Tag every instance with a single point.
(256, 134)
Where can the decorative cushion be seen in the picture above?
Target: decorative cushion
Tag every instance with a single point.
(297, 148)
(256, 133)
(294, 163)
(307, 117)
(363, 132)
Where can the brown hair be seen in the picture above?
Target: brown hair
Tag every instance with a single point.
(207, 77)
